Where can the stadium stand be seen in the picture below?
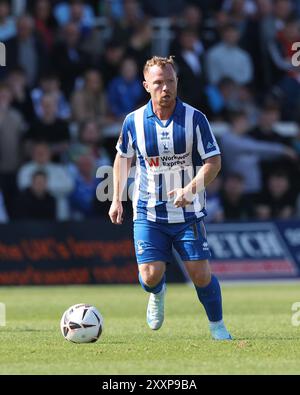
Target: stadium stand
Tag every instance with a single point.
(68, 61)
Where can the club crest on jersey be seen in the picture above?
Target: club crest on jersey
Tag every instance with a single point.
(166, 148)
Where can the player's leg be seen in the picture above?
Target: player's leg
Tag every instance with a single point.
(192, 247)
(153, 248)
(152, 278)
(209, 293)
(207, 288)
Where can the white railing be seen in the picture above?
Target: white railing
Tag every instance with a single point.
(162, 36)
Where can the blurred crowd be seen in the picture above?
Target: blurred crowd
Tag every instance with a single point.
(74, 70)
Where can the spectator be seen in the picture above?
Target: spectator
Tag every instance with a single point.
(191, 70)
(140, 43)
(222, 98)
(90, 143)
(227, 59)
(132, 17)
(242, 153)
(215, 212)
(247, 103)
(194, 18)
(50, 128)
(82, 14)
(277, 201)
(125, 92)
(70, 60)
(75, 11)
(280, 48)
(111, 60)
(239, 11)
(45, 22)
(265, 129)
(26, 50)
(297, 7)
(258, 32)
(113, 10)
(236, 205)
(90, 101)
(82, 199)
(21, 99)
(35, 202)
(60, 184)
(164, 9)
(7, 23)
(191, 18)
(50, 84)
(282, 10)
(11, 130)
(3, 212)
(281, 53)
(227, 97)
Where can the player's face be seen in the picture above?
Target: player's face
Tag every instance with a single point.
(161, 83)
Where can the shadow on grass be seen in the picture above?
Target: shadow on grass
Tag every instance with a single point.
(266, 338)
(31, 330)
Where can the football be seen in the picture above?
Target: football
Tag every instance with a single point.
(81, 323)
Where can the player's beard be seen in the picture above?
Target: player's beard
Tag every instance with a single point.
(168, 101)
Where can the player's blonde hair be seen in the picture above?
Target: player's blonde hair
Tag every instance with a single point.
(159, 61)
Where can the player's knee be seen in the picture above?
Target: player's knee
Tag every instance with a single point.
(201, 277)
(151, 279)
(151, 276)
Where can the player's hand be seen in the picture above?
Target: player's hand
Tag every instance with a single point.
(116, 213)
(182, 197)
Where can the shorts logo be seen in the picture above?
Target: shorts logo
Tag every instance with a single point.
(140, 247)
(205, 246)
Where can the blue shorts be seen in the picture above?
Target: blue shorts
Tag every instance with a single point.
(153, 241)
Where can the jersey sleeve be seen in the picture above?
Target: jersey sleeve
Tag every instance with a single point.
(207, 145)
(124, 144)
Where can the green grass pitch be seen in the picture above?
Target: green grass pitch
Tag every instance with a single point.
(258, 316)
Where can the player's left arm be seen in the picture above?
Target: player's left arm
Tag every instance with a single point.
(207, 173)
(209, 151)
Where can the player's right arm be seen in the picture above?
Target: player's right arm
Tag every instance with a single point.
(120, 175)
(121, 170)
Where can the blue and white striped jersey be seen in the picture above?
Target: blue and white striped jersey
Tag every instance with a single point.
(168, 156)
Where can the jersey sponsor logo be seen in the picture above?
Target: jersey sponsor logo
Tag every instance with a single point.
(176, 161)
(165, 163)
(169, 160)
(153, 161)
